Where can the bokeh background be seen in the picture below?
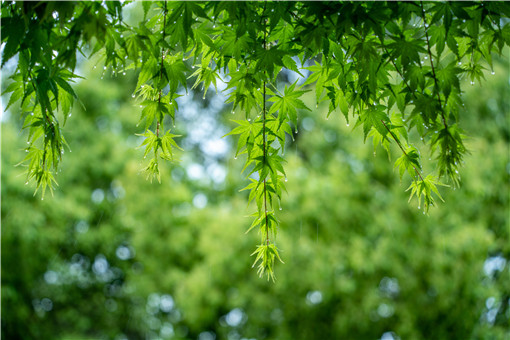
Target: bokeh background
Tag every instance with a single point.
(114, 256)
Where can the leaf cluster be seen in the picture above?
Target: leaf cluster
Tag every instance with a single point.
(393, 68)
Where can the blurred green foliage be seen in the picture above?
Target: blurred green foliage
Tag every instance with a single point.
(112, 256)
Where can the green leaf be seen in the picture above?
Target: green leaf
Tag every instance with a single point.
(148, 113)
(374, 117)
(288, 103)
(409, 162)
(423, 190)
(13, 33)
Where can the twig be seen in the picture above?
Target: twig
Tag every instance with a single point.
(401, 147)
(161, 67)
(432, 65)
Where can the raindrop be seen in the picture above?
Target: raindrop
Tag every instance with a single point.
(94, 66)
(286, 179)
(133, 95)
(493, 73)
(124, 73)
(280, 208)
(426, 58)
(69, 115)
(233, 112)
(31, 113)
(104, 67)
(472, 83)
(347, 124)
(192, 66)
(249, 119)
(419, 207)
(141, 106)
(460, 63)
(28, 142)
(235, 157)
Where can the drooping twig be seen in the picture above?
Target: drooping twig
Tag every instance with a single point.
(401, 147)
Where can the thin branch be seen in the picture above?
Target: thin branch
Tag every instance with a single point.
(432, 65)
(264, 138)
(400, 146)
(398, 71)
(161, 68)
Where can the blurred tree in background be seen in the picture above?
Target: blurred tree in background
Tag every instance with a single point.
(112, 256)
